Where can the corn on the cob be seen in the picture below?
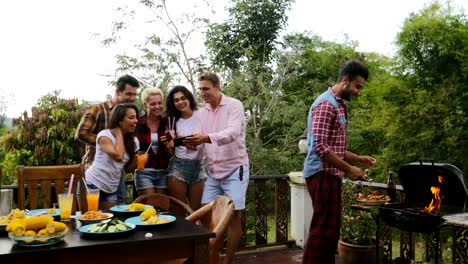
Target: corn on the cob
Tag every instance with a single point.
(30, 233)
(153, 220)
(136, 207)
(16, 227)
(43, 235)
(147, 214)
(18, 220)
(55, 227)
(37, 222)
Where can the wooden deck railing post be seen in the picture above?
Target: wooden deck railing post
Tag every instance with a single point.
(281, 210)
(261, 228)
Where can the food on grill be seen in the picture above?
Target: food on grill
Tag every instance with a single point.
(373, 196)
(136, 207)
(147, 214)
(94, 215)
(426, 184)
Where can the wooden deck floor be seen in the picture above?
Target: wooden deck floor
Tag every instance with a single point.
(278, 255)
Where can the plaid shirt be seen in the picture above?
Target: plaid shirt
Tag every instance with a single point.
(329, 127)
(96, 118)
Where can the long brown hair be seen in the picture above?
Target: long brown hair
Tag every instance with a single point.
(118, 115)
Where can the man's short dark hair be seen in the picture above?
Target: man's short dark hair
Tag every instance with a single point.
(353, 69)
(211, 77)
(127, 79)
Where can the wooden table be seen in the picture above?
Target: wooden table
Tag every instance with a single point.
(181, 239)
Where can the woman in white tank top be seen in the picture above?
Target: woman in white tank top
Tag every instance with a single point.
(115, 149)
(186, 177)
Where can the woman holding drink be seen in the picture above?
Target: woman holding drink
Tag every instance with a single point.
(115, 149)
(151, 176)
(186, 171)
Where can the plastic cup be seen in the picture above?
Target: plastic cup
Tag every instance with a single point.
(65, 202)
(142, 158)
(170, 134)
(92, 197)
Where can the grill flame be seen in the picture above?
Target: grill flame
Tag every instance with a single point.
(436, 201)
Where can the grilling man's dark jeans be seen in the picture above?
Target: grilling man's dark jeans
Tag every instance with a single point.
(324, 232)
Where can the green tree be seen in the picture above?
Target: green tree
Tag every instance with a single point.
(421, 104)
(166, 56)
(314, 65)
(242, 49)
(44, 138)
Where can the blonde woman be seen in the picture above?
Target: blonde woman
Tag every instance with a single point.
(151, 130)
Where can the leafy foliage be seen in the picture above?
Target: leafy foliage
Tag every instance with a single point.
(243, 48)
(249, 35)
(165, 56)
(423, 113)
(44, 138)
(357, 227)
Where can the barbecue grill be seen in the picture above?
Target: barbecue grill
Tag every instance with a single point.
(426, 183)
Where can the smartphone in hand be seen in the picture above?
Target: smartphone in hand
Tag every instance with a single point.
(179, 141)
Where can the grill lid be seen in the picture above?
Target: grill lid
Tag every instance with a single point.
(417, 178)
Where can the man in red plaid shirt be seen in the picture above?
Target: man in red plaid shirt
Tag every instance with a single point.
(328, 161)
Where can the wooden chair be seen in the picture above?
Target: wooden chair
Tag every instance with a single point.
(42, 178)
(218, 214)
(165, 203)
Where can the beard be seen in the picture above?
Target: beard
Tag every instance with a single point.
(347, 94)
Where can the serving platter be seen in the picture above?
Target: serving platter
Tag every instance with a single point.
(137, 221)
(30, 241)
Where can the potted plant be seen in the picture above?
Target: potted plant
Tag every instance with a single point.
(357, 241)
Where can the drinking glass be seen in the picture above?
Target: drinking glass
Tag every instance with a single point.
(65, 202)
(92, 197)
(142, 158)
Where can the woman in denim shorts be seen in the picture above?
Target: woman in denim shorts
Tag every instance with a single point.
(187, 175)
(115, 149)
(150, 133)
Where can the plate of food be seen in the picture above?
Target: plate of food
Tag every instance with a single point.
(373, 198)
(45, 211)
(134, 208)
(107, 229)
(91, 217)
(156, 220)
(37, 231)
(14, 214)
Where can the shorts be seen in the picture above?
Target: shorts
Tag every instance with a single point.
(234, 186)
(118, 197)
(188, 171)
(145, 179)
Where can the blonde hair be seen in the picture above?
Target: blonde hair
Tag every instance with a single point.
(150, 91)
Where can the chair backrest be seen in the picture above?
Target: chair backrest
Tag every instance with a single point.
(42, 178)
(164, 202)
(221, 214)
(216, 216)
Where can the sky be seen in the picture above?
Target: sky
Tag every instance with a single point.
(49, 45)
